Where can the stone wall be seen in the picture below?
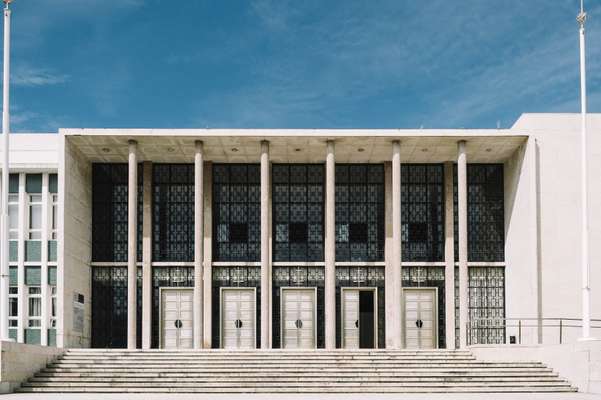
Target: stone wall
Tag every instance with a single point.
(19, 361)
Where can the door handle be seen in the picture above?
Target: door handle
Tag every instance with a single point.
(238, 324)
(178, 323)
(356, 323)
(419, 323)
(298, 323)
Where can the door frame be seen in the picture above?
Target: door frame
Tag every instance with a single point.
(312, 288)
(169, 288)
(373, 289)
(435, 322)
(221, 290)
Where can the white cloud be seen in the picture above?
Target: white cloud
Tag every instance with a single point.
(31, 76)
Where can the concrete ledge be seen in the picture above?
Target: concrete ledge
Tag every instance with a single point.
(579, 363)
(19, 361)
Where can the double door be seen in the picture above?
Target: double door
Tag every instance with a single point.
(177, 318)
(298, 318)
(238, 318)
(420, 318)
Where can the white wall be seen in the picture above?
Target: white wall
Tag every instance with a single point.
(75, 177)
(18, 362)
(558, 156)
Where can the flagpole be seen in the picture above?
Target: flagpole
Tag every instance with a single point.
(5, 177)
(586, 289)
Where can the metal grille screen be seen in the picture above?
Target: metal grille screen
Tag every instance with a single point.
(109, 307)
(236, 212)
(359, 212)
(298, 217)
(109, 212)
(422, 212)
(173, 212)
(485, 212)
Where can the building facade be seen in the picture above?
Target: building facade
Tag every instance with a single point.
(300, 238)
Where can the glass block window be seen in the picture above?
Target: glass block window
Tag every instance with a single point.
(361, 277)
(298, 217)
(234, 277)
(359, 212)
(485, 213)
(297, 277)
(486, 305)
(166, 277)
(109, 307)
(109, 212)
(173, 212)
(429, 277)
(422, 212)
(236, 212)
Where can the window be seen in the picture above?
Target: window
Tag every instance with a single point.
(236, 212)
(359, 212)
(422, 212)
(298, 193)
(13, 216)
(54, 225)
(34, 307)
(35, 216)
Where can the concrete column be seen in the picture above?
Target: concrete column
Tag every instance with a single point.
(388, 250)
(330, 248)
(449, 257)
(207, 256)
(462, 212)
(132, 244)
(46, 207)
(394, 332)
(265, 261)
(23, 212)
(198, 242)
(147, 256)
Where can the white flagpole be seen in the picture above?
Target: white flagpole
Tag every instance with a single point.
(4, 219)
(586, 289)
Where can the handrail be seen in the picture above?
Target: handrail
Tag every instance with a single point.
(497, 323)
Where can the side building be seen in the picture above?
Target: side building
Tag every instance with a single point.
(209, 238)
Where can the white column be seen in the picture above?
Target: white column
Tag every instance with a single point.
(449, 257)
(207, 256)
(147, 256)
(330, 248)
(394, 275)
(132, 243)
(23, 211)
(5, 170)
(198, 242)
(44, 268)
(462, 214)
(265, 261)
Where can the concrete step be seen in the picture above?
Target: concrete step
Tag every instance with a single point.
(285, 371)
(321, 389)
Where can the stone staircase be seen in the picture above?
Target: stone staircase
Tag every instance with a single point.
(283, 371)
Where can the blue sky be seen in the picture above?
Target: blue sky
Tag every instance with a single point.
(297, 64)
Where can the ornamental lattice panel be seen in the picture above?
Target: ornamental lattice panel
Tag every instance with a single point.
(422, 212)
(485, 212)
(236, 212)
(109, 212)
(359, 212)
(298, 216)
(173, 212)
